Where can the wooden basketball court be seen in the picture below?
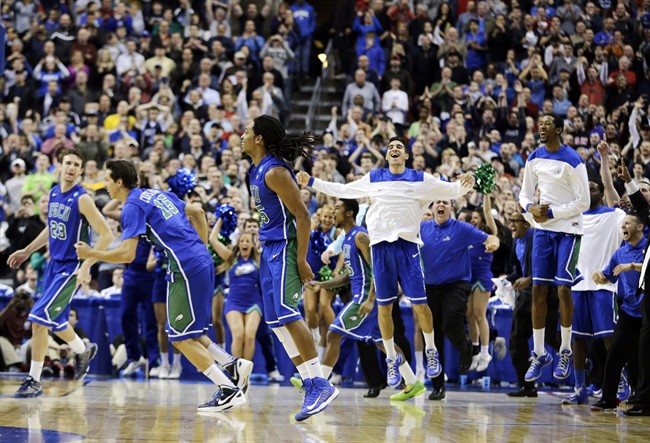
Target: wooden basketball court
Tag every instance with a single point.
(165, 411)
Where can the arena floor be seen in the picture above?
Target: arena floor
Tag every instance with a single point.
(165, 411)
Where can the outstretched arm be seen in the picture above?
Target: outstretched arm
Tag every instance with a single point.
(355, 189)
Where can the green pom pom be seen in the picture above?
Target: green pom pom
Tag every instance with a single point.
(485, 178)
(325, 273)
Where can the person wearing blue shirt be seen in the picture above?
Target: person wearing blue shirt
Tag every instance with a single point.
(624, 266)
(305, 17)
(447, 276)
(476, 47)
(181, 230)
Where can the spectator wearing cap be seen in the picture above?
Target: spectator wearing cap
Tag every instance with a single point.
(160, 60)
(396, 70)
(15, 184)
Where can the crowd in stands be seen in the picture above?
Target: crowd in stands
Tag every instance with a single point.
(171, 84)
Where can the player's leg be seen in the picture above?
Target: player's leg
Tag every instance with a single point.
(251, 323)
(235, 321)
(332, 352)
(544, 265)
(568, 250)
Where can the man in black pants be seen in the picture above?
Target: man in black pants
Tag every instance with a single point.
(641, 206)
(522, 323)
(447, 276)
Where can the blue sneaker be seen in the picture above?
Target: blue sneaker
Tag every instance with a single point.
(433, 363)
(393, 377)
(536, 365)
(579, 397)
(29, 388)
(623, 387)
(564, 365)
(320, 393)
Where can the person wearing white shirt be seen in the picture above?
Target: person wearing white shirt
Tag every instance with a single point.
(399, 198)
(131, 61)
(115, 291)
(395, 103)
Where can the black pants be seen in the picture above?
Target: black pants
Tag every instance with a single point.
(370, 366)
(448, 304)
(624, 349)
(522, 330)
(643, 385)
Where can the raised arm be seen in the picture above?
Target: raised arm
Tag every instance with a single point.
(355, 189)
(611, 196)
(224, 251)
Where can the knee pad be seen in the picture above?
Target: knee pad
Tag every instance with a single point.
(285, 338)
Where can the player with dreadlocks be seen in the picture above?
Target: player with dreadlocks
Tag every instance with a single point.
(284, 231)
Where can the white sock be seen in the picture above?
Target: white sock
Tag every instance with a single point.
(566, 338)
(221, 356)
(407, 373)
(484, 350)
(327, 371)
(419, 360)
(77, 345)
(165, 361)
(217, 376)
(389, 345)
(302, 370)
(314, 368)
(35, 370)
(177, 359)
(538, 342)
(428, 340)
(475, 343)
(321, 352)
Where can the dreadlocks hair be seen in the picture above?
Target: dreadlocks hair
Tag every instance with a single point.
(277, 142)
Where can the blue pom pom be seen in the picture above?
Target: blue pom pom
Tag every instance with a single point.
(319, 241)
(182, 183)
(228, 217)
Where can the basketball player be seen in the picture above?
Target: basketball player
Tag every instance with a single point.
(560, 176)
(284, 232)
(399, 197)
(70, 211)
(181, 230)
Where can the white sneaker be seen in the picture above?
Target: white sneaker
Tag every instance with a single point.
(134, 366)
(275, 376)
(336, 379)
(421, 374)
(483, 362)
(163, 374)
(475, 359)
(175, 372)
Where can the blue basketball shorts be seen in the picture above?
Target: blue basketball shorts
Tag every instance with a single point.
(52, 309)
(555, 256)
(394, 262)
(189, 303)
(594, 313)
(349, 323)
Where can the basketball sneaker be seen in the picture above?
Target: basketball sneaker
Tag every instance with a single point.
(409, 392)
(564, 365)
(393, 377)
(483, 362)
(536, 365)
(320, 393)
(433, 363)
(82, 361)
(225, 398)
(133, 366)
(623, 393)
(275, 376)
(579, 397)
(30, 388)
(240, 372)
(175, 372)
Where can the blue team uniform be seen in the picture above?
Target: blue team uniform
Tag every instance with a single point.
(160, 218)
(348, 322)
(313, 256)
(66, 226)
(137, 290)
(629, 297)
(244, 294)
(159, 291)
(481, 263)
(279, 278)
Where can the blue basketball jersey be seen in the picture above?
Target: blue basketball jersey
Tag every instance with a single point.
(356, 266)
(244, 277)
(276, 222)
(160, 218)
(65, 223)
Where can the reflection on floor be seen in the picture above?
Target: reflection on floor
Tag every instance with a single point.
(160, 411)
